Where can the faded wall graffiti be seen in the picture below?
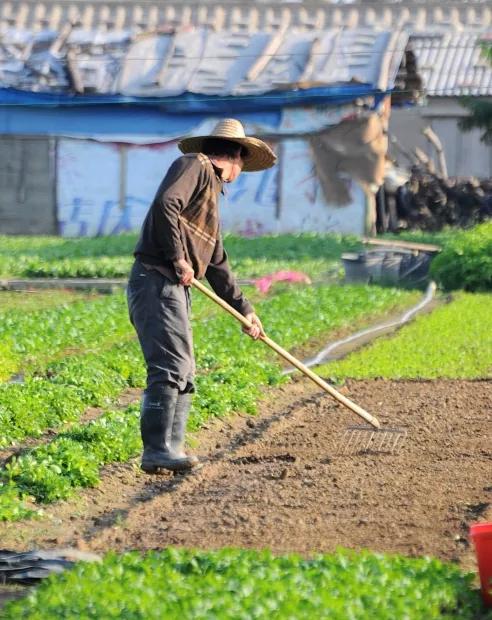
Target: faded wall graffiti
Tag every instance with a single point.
(106, 188)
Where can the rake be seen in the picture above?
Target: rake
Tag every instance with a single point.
(368, 438)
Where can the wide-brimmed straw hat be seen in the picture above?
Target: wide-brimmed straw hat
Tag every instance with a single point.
(260, 156)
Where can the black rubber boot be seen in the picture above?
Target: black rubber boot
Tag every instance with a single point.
(179, 429)
(156, 424)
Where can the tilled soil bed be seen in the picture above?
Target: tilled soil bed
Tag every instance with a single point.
(279, 480)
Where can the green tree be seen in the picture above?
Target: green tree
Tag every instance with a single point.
(480, 109)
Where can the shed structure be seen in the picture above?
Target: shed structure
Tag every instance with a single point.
(109, 87)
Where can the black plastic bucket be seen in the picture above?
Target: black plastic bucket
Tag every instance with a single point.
(387, 266)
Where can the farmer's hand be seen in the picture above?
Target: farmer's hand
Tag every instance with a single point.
(256, 329)
(184, 272)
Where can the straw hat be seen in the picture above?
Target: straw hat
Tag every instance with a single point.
(260, 156)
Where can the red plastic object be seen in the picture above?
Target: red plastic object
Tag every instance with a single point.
(481, 534)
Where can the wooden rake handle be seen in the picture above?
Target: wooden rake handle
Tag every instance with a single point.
(290, 358)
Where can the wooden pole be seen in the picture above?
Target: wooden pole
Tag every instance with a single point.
(290, 358)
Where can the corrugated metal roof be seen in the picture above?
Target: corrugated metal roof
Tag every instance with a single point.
(199, 60)
(243, 15)
(452, 64)
(445, 37)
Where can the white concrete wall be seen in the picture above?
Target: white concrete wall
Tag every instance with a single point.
(105, 189)
(466, 155)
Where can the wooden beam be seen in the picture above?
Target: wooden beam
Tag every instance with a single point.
(407, 245)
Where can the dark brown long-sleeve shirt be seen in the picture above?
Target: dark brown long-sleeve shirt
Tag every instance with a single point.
(183, 222)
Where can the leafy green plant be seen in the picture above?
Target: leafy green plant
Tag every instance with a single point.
(232, 368)
(233, 584)
(31, 338)
(73, 459)
(9, 360)
(30, 300)
(74, 383)
(12, 504)
(454, 341)
(27, 409)
(112, 256)
(466, 260)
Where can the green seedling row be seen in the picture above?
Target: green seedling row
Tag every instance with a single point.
(39, 299)
(28, 339)
(69, 387)
(72, 460)
(453, 342)
(9, 360)
(13, 504)
(111, 257)
(233, 371)
(14, 340)
(232, 584)
(466, 260)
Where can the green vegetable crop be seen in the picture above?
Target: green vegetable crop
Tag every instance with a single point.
(50, 472)
(233, 370)
(28, 339)
(233, 584)
(112, 256)
(455, 341)
(466, 260)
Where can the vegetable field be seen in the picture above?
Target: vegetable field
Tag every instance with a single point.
(71, 374)
(112, 257)
(221, 585)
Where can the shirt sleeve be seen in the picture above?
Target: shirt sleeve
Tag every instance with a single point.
(223, 282)
(184, 180)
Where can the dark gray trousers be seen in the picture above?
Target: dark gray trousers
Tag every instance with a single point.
(160, 312)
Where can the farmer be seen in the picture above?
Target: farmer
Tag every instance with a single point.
(180, 240)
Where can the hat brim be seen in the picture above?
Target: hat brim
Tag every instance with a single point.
(260, 156)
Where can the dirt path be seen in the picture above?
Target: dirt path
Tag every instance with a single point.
(278, 481)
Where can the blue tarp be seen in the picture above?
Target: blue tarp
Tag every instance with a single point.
(190, 103)
(24, 113)
(110, 120)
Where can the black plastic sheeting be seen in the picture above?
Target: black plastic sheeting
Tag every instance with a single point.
(30, 567)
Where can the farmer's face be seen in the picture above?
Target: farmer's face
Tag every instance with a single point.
(236, 166)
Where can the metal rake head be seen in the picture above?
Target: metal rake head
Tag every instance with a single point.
(369, 439)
